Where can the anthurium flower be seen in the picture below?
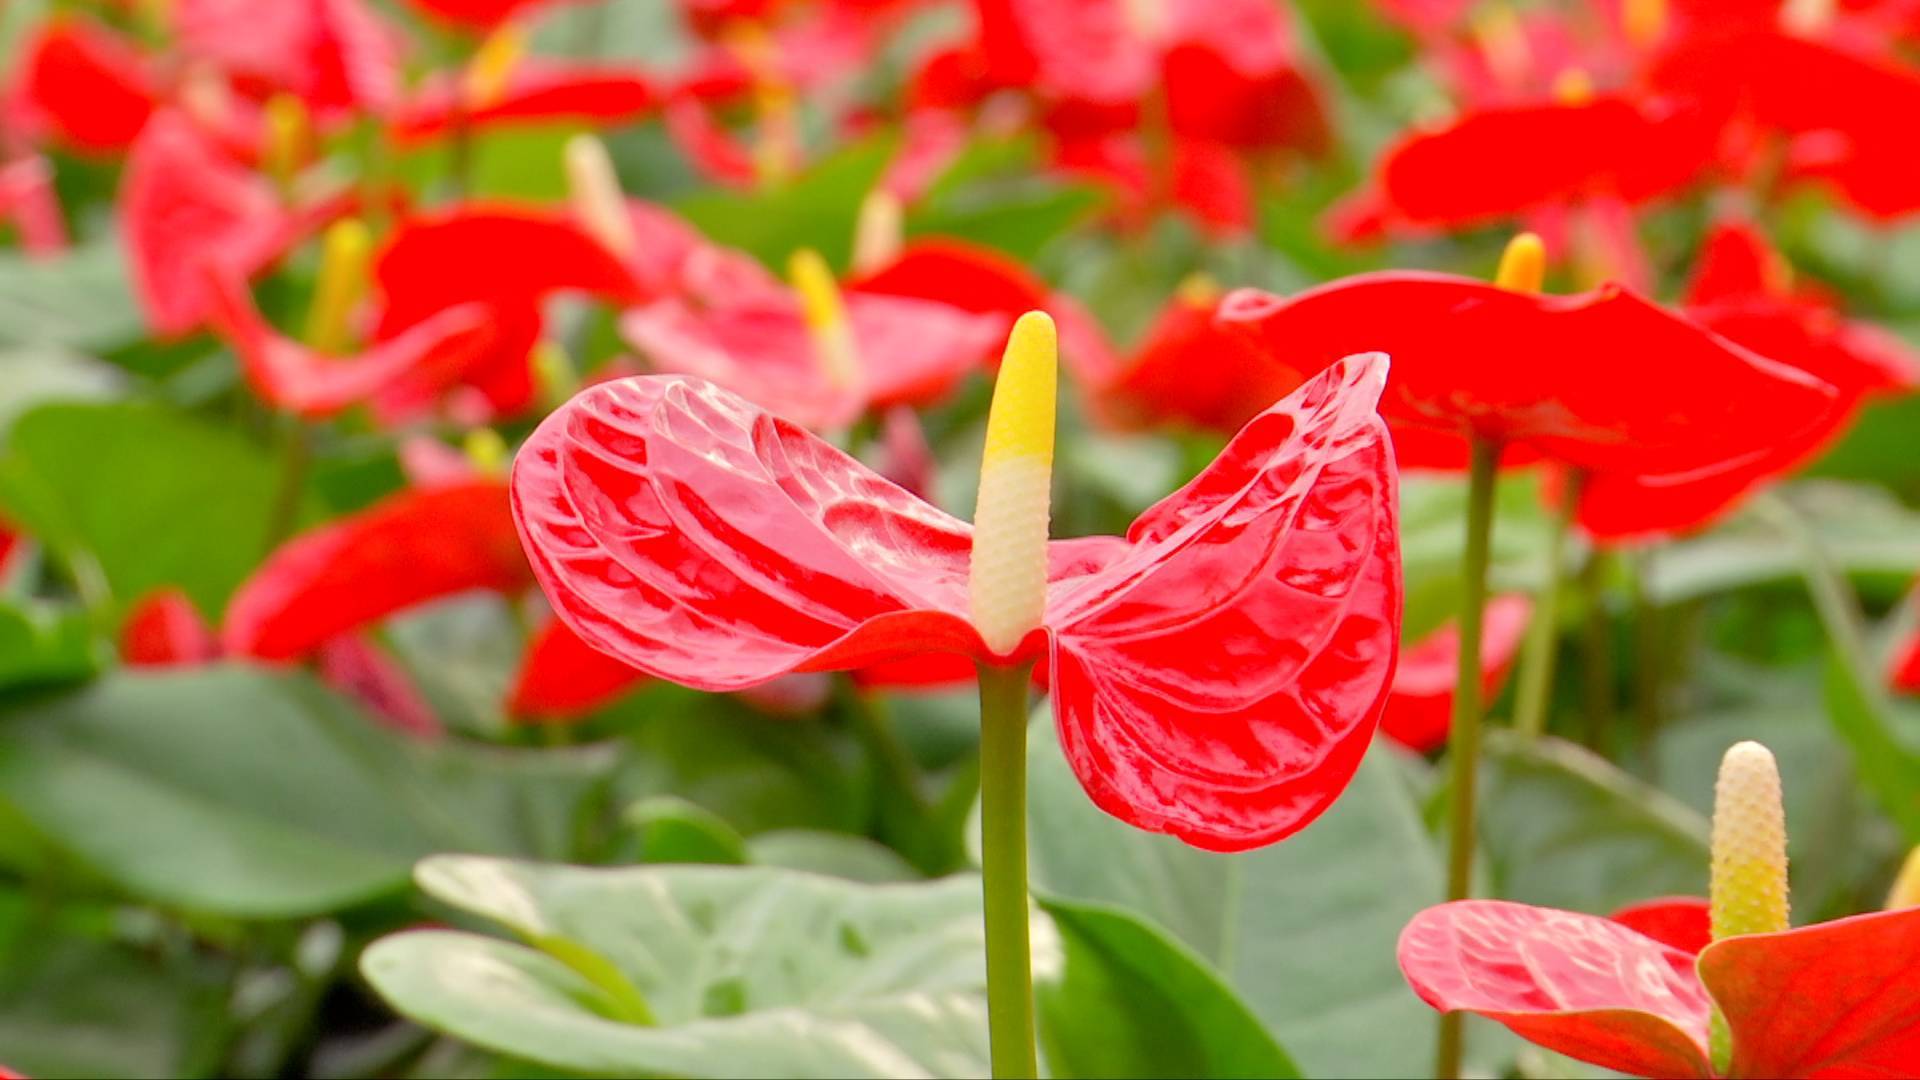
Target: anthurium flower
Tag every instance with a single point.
(405, 550)
(1833, 999)
(187, 209)
(334, 55)
(29, 201)
(1420, 710)
(1216, 673)
(165, 629)
(482, 14)
(562, 676)
(537, 91)
(1470, 361)
(509, 259)
(1903, 672)
(353, 665)
(1682, 922)
(1742, 291)
(81, 85)
(1190, 370)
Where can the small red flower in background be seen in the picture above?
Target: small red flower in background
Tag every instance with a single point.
(1602, 381)
(164, 629)
(29, 201)
(1742, 291)
(1419, 712)
(1189, 369)
(1829, 1000)
(483, 14)
(538, 91)
(1215, 674)
(81, 85)
(336, 56)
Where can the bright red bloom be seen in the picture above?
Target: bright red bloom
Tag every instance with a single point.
(356, 667)
(1603, 381)
(537, 92)
(562, 676)
(481, 14)
(509, 259)
(290, 376)
(81, 85)
(1682, 922)
(1420, 710)
(165, 629)
(410, 548)
(1831, 1000)
(1741, 291)
(334, 55)
(13, 546)
(28, 199)
(186, 209)
(1191, 370)
(1216, 674)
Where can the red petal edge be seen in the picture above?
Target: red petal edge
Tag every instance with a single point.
(1579, 984)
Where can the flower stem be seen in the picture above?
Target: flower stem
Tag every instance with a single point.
(1463, 747)
(1650, 664)
(1543, 644)
(1597, 651)
(296, 457)
(1003, 858)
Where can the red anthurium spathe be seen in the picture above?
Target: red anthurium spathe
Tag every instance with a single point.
(562, 676)
(30, 203)
(482, 14)
(1683, 922)
(185, 209)
(1741, 291)
(333, 55)
(1603, 380)
(1216, 674)
(536, 92)
(1191, 370)
(1420, 710)
(413, 547)
(81, 85)
(165, 629)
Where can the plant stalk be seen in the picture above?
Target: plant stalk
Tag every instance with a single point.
(1003, 858)
(1463, 746)
(1542, 648)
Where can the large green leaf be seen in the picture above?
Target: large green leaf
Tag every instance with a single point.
(1129, 1000)
(1304, 930)
(150, 496)
(1562, 827)
(1862, 530)
(747, 971)
(239, 792)
(817, 209)
(33, 376)
(42, 644)
(81, 300)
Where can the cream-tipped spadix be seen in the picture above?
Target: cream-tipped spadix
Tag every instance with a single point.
(1523, 265)
(289, 134)
(826, 317)
(1905, 892)
(593, 190)
(1748, 888)
(877, 237)
(491, 69)
(1007, 576)
(346, 253)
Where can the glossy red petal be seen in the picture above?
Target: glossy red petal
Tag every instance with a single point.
(479, 14)
(405, 550)
(287, 375)
(535, 94)
(1230, 77)
(959, 274)
(1221, 679)
(185, 210)
(1419, 712)
(1568, 375)
(164, 629)
(1610, 146)
(1579, 984)
(357, 668)
(688, 532)
(332, 54)
(82, 85)
(1681, 922)
(562, 677)
(1189, 370)
(1837, 1000)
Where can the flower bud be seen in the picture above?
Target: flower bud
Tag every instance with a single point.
(1749, 883)
(1007, 576)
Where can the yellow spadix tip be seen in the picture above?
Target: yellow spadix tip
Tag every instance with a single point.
(346, 254)
(491, 69)
(1007, 576)
(1523, 265)
(812, 279)
(1644, 21)
(877, 237)
(593, 187)
(1906, 885)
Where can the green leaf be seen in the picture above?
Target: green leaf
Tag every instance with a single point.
(1432, 533)
(1131, 1001)
(1304, 930)
(749, 971)
(151, 496)
(1887, 759)
(671, 830)
(1562, 827)
(818, 209)
(233, 791)
(81, 300)
(34, 376)
(41, 644)
(1862, 530)
(841, 855)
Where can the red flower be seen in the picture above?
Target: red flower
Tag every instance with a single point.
(1741, 292)
(1191, 370)
(165, 629)
(81, 85)
(334, 55)
(410, 548)
(1683, 922)
(186, 209)
(1216, 674)
(288, 375)
(1420, 710)
(354, 666)
(482, 14)
(29, 200)
(1830, 1000)
(537, 92)
(562, 676)
(1602, 381)
(507, 258)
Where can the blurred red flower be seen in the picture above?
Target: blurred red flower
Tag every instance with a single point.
(1419, 712)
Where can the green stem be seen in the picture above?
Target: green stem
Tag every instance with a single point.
(1542, 646)
(296, 457)
(1463, 748)
(1003, 859)
(1650, 663)
(1597, 650)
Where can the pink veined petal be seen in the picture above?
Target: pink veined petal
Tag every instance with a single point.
(1579, 984)
(1222, 679)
